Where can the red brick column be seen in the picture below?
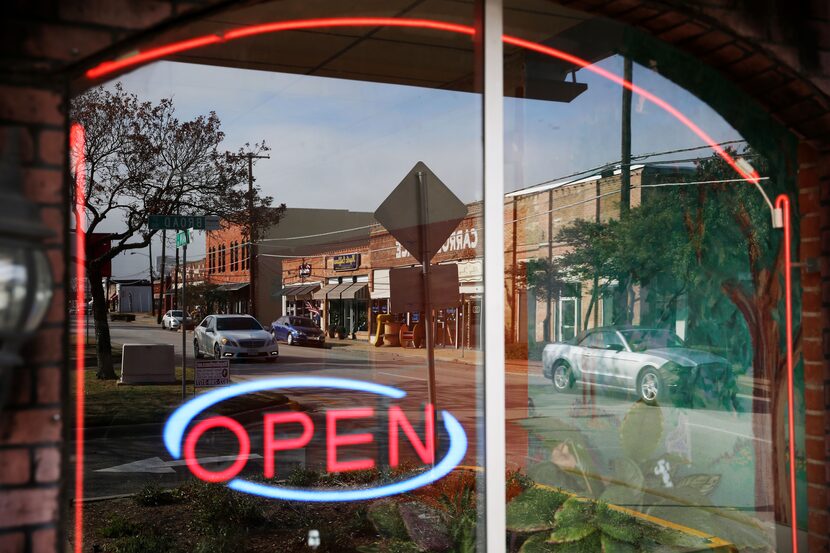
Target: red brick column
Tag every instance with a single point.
(31, 422)
(814, 190)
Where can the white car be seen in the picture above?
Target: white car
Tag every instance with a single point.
(172, 320)
(233, 337)
(654, 363)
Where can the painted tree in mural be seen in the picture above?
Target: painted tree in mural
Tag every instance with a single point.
(712, 247)
(140, 160)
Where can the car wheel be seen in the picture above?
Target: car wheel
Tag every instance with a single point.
(649, 386)
(290, 340)
(562, 377)
(217, 353)
(196, 352)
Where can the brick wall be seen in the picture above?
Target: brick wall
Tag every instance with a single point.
(31, 425)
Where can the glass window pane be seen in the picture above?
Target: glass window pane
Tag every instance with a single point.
(332, 400)
(620, 216)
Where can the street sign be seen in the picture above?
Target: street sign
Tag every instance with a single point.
(421, 213)
(406, 290)
(183, 237)
(212, 373)
(181, 222)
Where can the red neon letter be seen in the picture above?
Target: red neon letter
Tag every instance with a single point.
(241, 457)
(333, 440)
(270, 445)
(425, 449)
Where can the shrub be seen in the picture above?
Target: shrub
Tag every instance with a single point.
(153, 495)
(119, 527)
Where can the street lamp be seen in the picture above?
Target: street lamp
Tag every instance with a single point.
(25, 273)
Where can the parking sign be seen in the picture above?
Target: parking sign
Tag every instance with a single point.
(212, 373)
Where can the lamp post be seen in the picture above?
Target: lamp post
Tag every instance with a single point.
(25, 274)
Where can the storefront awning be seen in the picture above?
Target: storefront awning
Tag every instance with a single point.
(343, 291)
(323, 292)
(300, 291)
(355, 290)
(232, 287)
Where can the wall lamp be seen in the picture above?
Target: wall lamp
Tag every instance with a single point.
(25, 273)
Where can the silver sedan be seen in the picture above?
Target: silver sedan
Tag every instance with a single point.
(233, 337)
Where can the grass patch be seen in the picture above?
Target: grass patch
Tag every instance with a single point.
(108, 404)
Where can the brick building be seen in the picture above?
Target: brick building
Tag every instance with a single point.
(775, 53)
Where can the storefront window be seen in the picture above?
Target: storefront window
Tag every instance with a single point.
(638, 265)
(305, 413)
(323, 385)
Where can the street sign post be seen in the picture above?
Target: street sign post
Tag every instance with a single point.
(181, 222)
(421, 213)
(183, 237)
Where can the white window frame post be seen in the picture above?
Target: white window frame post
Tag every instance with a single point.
(494, 376)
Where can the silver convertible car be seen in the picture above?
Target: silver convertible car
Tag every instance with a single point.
(233, 336)
(654, 363)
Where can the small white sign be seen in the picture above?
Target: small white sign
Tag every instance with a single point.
(212, 373)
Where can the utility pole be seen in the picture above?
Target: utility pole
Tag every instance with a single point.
(150, 256)
(625, 157)
(162, 276)
(252, 246)
(175, 303)
(621, 307)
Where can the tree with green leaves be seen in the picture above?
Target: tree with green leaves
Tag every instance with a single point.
(140, 159)
(710, 242)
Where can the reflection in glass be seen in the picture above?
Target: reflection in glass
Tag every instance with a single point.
(645, 299)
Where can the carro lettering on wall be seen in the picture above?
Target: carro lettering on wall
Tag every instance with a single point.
(182, 434)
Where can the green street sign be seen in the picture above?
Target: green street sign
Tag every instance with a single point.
(182, 238)
(181, 222)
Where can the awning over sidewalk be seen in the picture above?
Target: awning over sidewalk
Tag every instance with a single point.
(355, 290)
(323, 292)
(343, 291)
(300, 291)
(232, 287)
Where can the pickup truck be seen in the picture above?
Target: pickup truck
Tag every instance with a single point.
(654, 363)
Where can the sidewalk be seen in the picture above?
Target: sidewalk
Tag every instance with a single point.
(449, 355)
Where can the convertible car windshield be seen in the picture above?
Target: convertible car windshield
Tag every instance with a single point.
(642, 340)
(302, 322)
(238, 323)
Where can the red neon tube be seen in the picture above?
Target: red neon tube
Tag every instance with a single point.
(782, 202)
(77, 145)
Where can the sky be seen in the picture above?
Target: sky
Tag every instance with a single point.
(345, 144)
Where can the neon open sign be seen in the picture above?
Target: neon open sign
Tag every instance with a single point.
(181, 442)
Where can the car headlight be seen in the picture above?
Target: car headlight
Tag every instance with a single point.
(229, 342)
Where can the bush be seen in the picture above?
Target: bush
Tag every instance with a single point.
(119, 527)
(146, 543)
(153, 495)
(218, 509)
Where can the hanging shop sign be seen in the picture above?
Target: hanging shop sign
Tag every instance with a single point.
(183, 431)
(346, 262)
(305, 270)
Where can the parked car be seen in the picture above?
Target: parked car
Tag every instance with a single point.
(233, 336)
(652, 362)
(172, 320)
(298, 330)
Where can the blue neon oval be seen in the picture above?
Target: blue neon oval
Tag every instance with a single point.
(181, 418)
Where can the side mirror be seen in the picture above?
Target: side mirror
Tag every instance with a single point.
(615, 347)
